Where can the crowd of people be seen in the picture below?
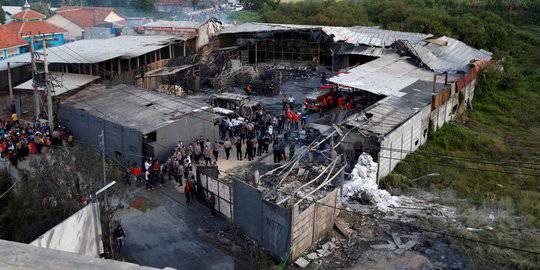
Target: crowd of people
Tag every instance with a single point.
(19, 139)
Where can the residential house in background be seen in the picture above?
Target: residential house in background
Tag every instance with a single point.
(40, 30)
(17, 34)
(203, 31)
(10, 11)
(88, 22)
(11, 43)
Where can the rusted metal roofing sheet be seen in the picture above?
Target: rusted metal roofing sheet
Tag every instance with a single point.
(455, 57)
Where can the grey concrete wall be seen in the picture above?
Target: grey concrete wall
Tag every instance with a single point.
(276, 229)
(247, 209)
(121, 143)
(187, 129)
(261, 220)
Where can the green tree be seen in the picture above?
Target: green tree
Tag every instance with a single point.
(146, 5)
(42, 8)
(2, 16)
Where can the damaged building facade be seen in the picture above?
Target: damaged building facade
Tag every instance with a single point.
(291, 208)
(404, 85)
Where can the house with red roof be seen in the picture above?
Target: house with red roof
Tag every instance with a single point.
(81, 22)
(11, 43)
(27, 15)
(15, 36)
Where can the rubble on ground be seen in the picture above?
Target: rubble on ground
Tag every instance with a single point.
(363, 184)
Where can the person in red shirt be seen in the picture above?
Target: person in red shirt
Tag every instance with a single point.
(248, 89)
(330, 100)
(136, 171)
(325, 103)
(187, 190)
(340, 102)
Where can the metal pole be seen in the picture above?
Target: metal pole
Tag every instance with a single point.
(47, 87)
(11, 100)
(105, 195)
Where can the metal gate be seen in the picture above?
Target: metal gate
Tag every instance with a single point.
(208, 183)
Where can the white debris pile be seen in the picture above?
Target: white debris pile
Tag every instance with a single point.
(363, 184)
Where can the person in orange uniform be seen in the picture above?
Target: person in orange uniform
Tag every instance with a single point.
(296, 120)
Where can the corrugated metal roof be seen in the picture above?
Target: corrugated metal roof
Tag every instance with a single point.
(98, 50)
(453, 58)
(133, 107)
(69, 81)
(387, 75)
(174, 24)
(364, 50)
(166, 71)
(392, 111)
(371, 36)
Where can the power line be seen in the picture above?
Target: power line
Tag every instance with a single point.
(471, 160)
(462, 167)
(480, 160)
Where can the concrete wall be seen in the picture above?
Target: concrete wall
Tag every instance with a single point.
(261, 220)
(406, 138)
(187, 129)
(413, 133)
(450, 109)
(121, 142)
(79, 233)
(312, 224)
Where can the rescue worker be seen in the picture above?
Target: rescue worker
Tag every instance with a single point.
(296, 120)
(248, 89)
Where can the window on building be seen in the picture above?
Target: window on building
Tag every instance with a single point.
(416, 143)
(425, 132)
(454, 109)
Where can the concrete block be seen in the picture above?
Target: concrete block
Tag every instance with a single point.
(312, 256)
(302, 262)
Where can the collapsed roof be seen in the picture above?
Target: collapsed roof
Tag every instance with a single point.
(441, 54)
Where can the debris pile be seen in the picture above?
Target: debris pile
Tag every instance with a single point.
(363, 185)
(301, 182)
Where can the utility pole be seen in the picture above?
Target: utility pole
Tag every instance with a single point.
(37, 99)
(11, 100)
(105, 196)
(104, 165)
(48, 87)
